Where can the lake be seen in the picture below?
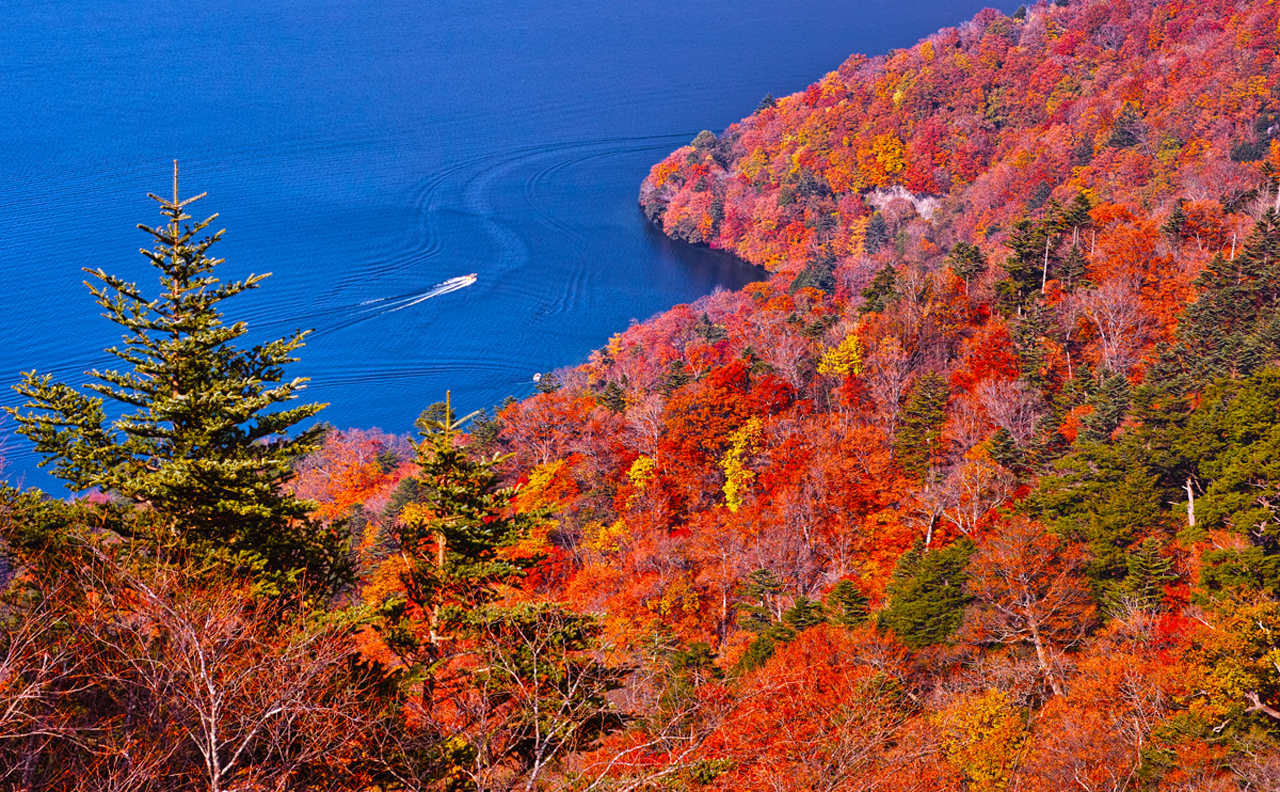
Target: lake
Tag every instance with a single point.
(366, 152)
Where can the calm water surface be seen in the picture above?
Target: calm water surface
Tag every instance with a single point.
(366, 151)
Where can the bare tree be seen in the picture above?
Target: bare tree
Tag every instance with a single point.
(535, 690)
(644, 421)
(39, 668)
(887, 372)
(1122, 326)
(977, 485)
(256, 689)
(1027, 589)
(1013, 406)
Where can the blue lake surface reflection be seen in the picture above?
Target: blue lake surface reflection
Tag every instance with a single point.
(366, 152)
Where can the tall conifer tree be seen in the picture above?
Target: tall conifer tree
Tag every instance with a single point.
(202, 439)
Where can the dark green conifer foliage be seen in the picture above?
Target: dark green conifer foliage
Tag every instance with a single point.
(1236, 436)
(819, 273)
(1076, 216)
(877, 234)
(1004, 450)
(709, 330)
(1250, 572)
(1233, 327)
(760, 592)
(881, 291)
(1033, 244)
(1177, 221)
(1110, 405)
(1148, 572)
(803, 614)
(484, 434)
(453, 536)
(1029, 332)
(759, 595)
(1118, 517)
(674, 378)
(1107, 497)
(1129, 130)
(548, 383)
(1073, 273)
(926, 596)
(847, 606)
(919, 439)
(202, 440)
(613, 398)
(966, 261)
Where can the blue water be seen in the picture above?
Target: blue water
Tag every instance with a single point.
(364, 151)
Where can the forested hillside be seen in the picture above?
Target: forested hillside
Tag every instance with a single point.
(979, 491)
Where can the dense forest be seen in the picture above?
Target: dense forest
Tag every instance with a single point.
(980, 490)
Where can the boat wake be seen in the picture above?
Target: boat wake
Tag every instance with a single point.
(386, 305)
(381, 306)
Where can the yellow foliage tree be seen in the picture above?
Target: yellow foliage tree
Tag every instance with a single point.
(843, 360)
(737, 477)
(983, 736)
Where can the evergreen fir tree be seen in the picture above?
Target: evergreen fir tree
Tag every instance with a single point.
(1073, 273)
(817, 274)
(919, 438)
(966, 261)
(1233, 327)
(881, 291)
(1177, 221)
(613, 398)
(709, 330)
(1032, 243)
(674, 378)
(1076, 215)
(1148, 572)
(759, 592)
(1028, 335)
(1004, 449)
(847, 605)
(926, 596)
(1110, 405)
(202, 441)
(803, 614)
(877, 234)
(451, 530)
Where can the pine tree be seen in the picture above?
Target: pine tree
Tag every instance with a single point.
(201, 442)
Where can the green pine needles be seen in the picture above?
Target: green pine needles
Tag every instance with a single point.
(201, 441)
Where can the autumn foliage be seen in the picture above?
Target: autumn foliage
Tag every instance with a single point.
(976, 491)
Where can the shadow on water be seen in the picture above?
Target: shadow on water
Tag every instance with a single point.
(701, 265)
